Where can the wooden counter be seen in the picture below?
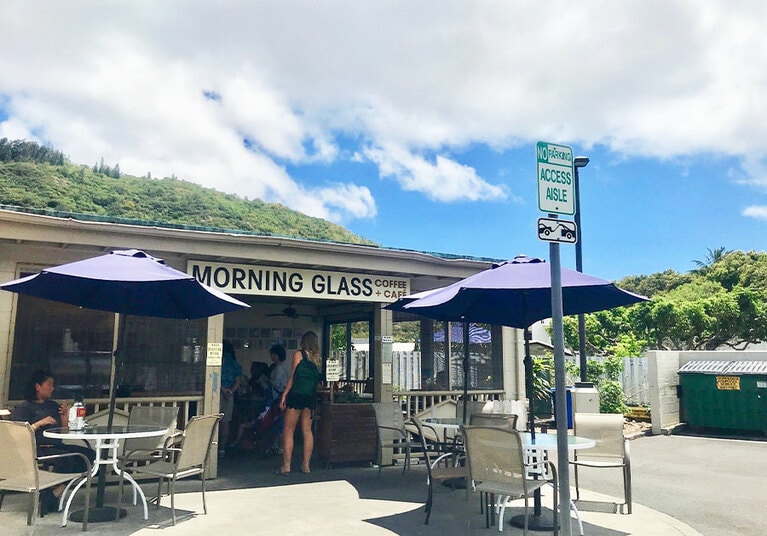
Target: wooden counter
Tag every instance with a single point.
(346, 433)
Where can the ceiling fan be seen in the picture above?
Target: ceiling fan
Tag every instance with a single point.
(289, 312)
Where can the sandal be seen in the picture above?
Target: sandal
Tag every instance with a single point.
(280, 472)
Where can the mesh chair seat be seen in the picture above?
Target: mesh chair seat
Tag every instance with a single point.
(191, 459)
(507, 421)
(435, 472)
(496, 467)
(392, 434)
(138, 450)
(20, 471)
(611, 449)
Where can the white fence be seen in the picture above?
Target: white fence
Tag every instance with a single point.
(634, 379)
(406, 373)
(406, 368)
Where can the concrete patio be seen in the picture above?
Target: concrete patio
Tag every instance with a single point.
(248, 498)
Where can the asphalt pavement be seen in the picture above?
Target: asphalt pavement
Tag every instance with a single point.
(716, 486)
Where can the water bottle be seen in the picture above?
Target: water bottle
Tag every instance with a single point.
(77, 415)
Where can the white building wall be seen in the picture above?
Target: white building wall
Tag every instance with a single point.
(663, 380)
(7, 273)
(513, 365)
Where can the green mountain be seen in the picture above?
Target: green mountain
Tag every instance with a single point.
(40, 178)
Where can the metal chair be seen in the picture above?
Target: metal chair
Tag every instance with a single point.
(494, 420)
(143, 450)
(391, 431)
(191, 459)
(611, 449)
(433, 455)
(496, 467)
(20, 471)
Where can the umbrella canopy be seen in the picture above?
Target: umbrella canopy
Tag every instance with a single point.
(130, 282)
(518, 294)
(515, 294)
(399, 305)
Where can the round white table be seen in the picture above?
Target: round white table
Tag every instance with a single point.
(106, 441)
(536, 453)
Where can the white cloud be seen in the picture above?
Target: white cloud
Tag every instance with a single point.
(356, 201)
(410, 83)
(756, 211)
(442, 180)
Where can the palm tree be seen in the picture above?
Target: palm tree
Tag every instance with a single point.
(710, 259)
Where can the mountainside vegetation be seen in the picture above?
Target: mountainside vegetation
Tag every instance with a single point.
(37, 177)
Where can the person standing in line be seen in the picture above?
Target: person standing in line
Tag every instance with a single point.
(230, 382)
(279, 379)
(299, 400)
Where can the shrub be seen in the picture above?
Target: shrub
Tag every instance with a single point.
(611, 397)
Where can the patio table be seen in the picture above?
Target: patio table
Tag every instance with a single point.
(107, 446)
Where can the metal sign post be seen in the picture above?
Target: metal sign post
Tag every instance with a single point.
(563, 457)
(556, 195)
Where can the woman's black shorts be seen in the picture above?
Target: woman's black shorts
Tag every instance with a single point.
(298, 401)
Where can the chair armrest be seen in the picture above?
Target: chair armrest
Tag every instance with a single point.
(551, 470)
(85, 458)
(433, 430)
(173, 440)
(402, 432)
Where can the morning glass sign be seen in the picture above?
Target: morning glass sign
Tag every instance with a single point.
(292, 282)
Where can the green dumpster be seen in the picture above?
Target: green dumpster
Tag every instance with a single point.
(724, 395)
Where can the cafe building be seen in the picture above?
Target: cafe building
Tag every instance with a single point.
(292, 286)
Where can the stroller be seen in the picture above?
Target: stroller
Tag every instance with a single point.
(262, 430)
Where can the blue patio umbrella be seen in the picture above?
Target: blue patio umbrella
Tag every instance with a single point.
(517, 294)
(127, 282)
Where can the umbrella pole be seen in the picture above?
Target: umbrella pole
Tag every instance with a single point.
(530, 388)
(122, 322)
(465, 372)
(529, 383)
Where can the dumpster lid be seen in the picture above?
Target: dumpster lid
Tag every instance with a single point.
(748, 367)
(701, 366)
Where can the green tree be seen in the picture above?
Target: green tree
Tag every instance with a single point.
(723, 305)
(711, 258)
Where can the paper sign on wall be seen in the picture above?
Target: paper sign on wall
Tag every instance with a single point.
(332, 370)
(215, 354)
(386, 373)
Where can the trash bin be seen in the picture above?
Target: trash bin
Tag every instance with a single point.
(724, 395)
(585, 398)
(568, 406)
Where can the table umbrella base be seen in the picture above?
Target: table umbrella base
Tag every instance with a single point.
(455, 483)
(543, 522)
(98, 515)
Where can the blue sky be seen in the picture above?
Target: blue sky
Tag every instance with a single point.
(414, 124)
